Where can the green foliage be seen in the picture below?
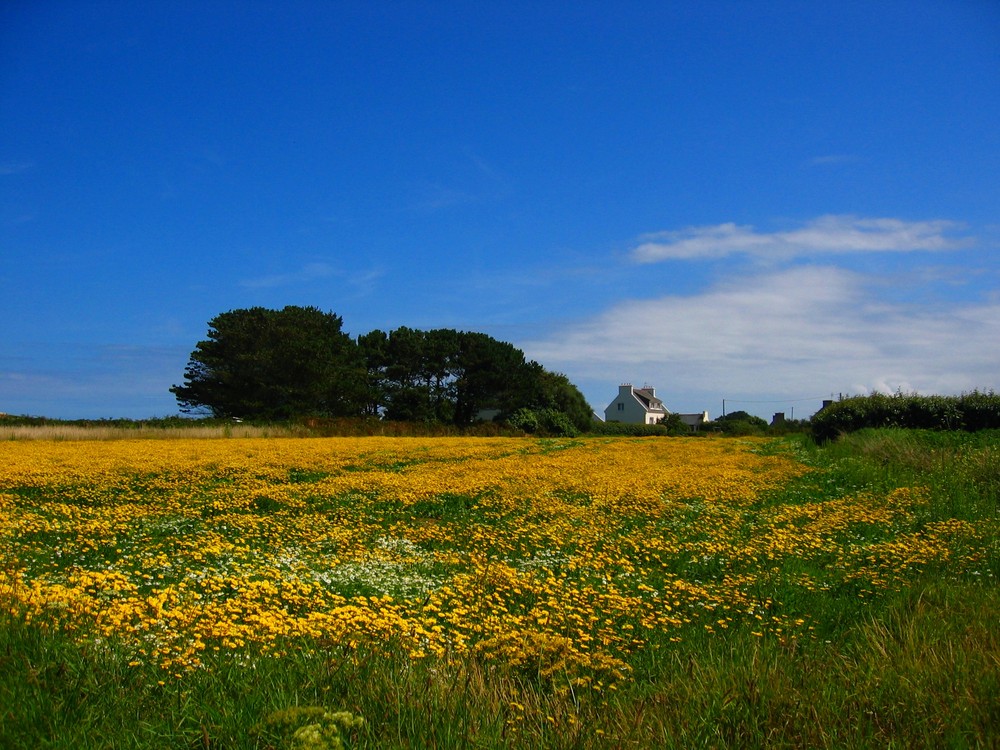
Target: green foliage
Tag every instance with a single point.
(624, 429)
(165, 423)
(296, 363)
(488, 376)
(971, 411)
(739, 423)
(525, 420)
(789, 427)
(553, 392)
(550, 422)
(411, 374)
(450, 377)
(273, 364)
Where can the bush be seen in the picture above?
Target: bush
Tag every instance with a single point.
(557, 423)
(739, 423)
(525, 420)
(971, 411)
(980, 410)
(549, 422)
(624, 429)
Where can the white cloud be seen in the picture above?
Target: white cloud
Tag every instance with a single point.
(797, 331)
(826, 235)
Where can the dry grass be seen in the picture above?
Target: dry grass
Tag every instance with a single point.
(118, 432)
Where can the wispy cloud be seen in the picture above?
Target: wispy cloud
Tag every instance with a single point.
(472, 181)
(826, 235)
(308, 272)
(10, 168)
(92, 381)
(831, 160)
(802, 330)
(433, 197)
(365, 283)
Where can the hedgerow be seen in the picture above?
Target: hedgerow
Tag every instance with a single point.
(973, 411)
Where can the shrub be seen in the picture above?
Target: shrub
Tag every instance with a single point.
(550, 422)
(971, 411)
(525, 420)
(624, 429)
(980, 410)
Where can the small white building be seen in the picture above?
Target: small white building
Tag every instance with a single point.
(695, 421)
(635, 406)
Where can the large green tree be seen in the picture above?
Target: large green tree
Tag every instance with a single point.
(452, 376)
(489, 376)
(411, 373)
(274, 364)
(554, 391)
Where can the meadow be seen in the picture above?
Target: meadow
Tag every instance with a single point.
(375, 592)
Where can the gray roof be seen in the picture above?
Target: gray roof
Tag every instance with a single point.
(651, 402)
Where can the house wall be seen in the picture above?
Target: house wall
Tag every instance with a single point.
(627, 408)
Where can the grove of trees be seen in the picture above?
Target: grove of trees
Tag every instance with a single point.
(267, 364)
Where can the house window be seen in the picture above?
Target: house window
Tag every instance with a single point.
(621, 406)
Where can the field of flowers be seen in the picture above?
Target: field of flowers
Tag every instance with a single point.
(569, 563)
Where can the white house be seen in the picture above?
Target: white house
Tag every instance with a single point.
(635, 406)
(641, 406)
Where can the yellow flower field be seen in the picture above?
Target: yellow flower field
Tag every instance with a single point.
(543, 557)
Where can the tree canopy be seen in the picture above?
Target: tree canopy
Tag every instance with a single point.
(457, 377)
(273, 364)
(279, 364)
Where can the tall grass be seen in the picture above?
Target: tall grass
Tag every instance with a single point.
(961, 470)
(917, 667)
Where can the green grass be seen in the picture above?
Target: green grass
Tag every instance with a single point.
(916, 667)
(922, 672)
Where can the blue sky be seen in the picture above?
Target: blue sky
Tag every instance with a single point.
(766, 203)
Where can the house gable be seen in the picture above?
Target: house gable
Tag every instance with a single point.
(635, 406)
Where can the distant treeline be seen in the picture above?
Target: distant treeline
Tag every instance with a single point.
(973, 411)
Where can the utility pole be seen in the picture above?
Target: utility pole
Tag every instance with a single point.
(723, 407)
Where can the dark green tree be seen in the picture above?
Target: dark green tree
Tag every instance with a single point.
(373, 349)
(556, 392)
(274, 364)
(407, 398)
(412, 373)
(489, 375)
(449, 376)
(548, 402)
